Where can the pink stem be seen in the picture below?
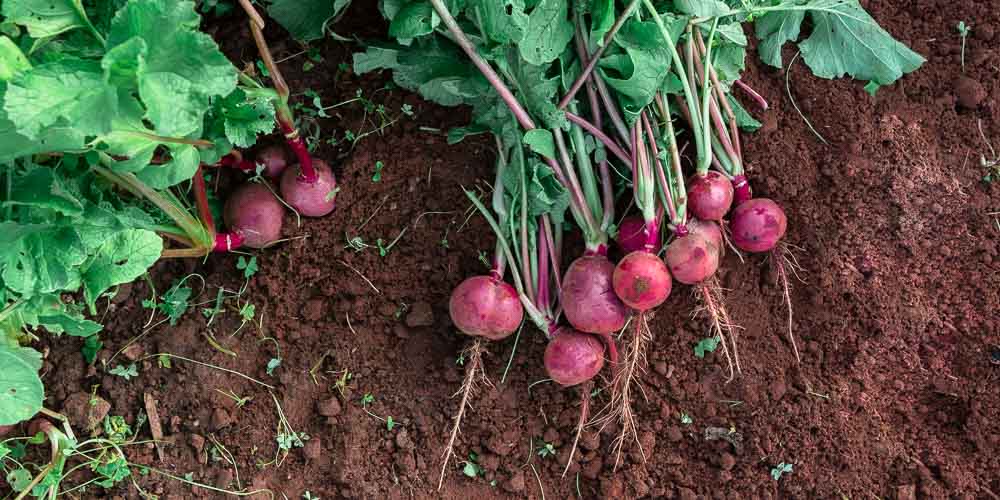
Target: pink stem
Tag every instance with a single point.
(227, 242)
(742, 189)
(601, 136)
(294, 139)
(753, 94)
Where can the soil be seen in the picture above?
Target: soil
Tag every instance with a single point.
(896, 395)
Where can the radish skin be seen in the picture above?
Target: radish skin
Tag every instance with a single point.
(588, 296)
(631, 236)
(254, 215)
(311, 199)
(709, 230)
(757, 225)
(483, 306)
(691, 259)
(642, 281)
(710, 196)
(572, 357)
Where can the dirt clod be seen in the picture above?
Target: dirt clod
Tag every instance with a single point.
(516, 482)
(85, 411)
(970, 93)
(313, 448)
(727, 461)
(420, 314)
(329, 407)
(221, 419)
(197, 442)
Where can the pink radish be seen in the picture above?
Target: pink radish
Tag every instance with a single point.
(254, 216)
(631, 235)
(691, 259)
(757, 225)
(312, 199)
(483, 306)
(573, 357)
(588, 296)
(642, 281)
(710, 196)
(709, 230)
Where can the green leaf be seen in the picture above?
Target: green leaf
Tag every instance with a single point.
(183, 67)
(732, 32)
(412, 21)
(91, 346)
(70, 324)
(602, 18)
(45, 18)
(774, 30)
(306, 19)
(845, 40)
(121, 259)
(729, 61)
(70, 89)
(245, 117)
(706, 345)
(123, 63)
(43, 260)
(541, 141)
(744, 119)
(703, 8)
(639, 73)
(184, 161)
(12, 60)
(538, 92)
(503, 21)
(375, 57)
(21, 390)
(872, 88)
(19, 479)
(40, 187)
(548, 33)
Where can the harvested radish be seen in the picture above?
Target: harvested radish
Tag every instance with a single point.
(691, 259)
(757, 225)
(709, 196)
(485, 306)
(631, 235)
(274, 160)
(588, 296)
(254, 217)
(642, 281)
(312, 199)
(572, 357)
(709, 230)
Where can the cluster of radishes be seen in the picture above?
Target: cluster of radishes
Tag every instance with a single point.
(253, 212)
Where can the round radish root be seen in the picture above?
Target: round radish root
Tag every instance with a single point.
(691, 259)
(708, 230)
(572, 357)
(482, 306)
(274, 159)
(588, 296)
(253, 212)
(710, 196)
(314, 199)
(757, 225)
(642, 281)
(631, 234)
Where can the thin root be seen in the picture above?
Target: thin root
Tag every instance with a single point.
(632, 367)
(713, 304)
(784, 260)
(584, 413)
(474, 367)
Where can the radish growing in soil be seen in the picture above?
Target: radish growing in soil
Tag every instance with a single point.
(272, 160)
(310, 188)
(254, 217)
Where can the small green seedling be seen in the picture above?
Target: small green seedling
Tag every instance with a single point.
(547, 450)
(367, 399)
(240, 401)
(377, 176)
(686, 419)
(116, 429)
(472, 468)
(390, 424)
(249, 267)
(272, 365)
(309, 496)
(780, 469)
(963, 32)
(460, 360)
(125, 372)
(341, 383)
(706, 345)
(164, 361)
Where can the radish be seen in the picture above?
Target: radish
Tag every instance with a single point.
(274, 160)
(757, 225)
(572, 357)
(709, 196)
(691, 259)
(254, 217)
(642, 281)
(588, 296)
(485, 306)
(310, 198)
(630, 234)
(310, 189)
(709, 231)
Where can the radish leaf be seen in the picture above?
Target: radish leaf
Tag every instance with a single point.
(307, 20)
(548, 33)
(45, 18)
(21, 390)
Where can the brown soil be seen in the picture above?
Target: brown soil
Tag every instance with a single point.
(896, 396)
